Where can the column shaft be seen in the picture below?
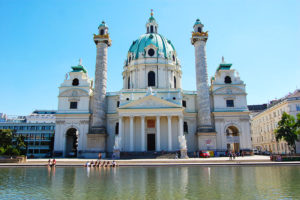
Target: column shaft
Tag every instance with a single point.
(100, 86)
(120, 132)
(203, 100)
(157, 133)
(169, 133)
(143, 133)
(180, 126)
(131, 134)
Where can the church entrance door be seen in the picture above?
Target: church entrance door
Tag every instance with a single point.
(71, 142)
(151, 142)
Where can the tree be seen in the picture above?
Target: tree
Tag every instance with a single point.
(288, 130)
(6, 138)
(10, 144)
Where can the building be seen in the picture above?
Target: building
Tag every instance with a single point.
(37, 128)
(264, 123)
(151, 112)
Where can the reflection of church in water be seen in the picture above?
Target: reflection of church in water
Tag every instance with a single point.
(152, 112)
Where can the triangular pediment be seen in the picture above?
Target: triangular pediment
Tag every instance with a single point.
(150, 102)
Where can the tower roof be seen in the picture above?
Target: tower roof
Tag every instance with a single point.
(79, 67)
(103, 24)
(223, 65)
(198, 22)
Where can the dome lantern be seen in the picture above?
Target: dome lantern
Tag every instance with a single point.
(198, 26)
(151, 25)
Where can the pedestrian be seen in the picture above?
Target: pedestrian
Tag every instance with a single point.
(176, 155)
(230, 156)
(99, 156)
(233, 155)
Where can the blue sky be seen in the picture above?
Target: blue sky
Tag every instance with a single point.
(41, 40)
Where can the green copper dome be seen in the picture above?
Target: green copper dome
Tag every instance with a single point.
(102, 24)
(198, 22)
(163, 45)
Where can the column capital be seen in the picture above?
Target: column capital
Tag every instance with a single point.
(143, 116)
(131, 116)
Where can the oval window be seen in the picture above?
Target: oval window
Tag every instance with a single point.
(151, 52)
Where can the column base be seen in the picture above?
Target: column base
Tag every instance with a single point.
(183, 153)
(205, 129)
(116, 154)
(98, 130)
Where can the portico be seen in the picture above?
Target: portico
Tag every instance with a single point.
(150, 128)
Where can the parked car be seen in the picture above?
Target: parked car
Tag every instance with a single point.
(204, 154)
(255, 151)
(266, 153)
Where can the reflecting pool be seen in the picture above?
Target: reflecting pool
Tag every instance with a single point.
(259, 182)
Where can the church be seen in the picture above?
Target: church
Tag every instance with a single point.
(152, 112)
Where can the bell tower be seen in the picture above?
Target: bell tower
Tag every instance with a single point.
(102, 41)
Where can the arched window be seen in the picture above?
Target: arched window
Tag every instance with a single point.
(129, 59)
(148, 29)
(75, 82)
(128, 83)
(173, 58)
(151, 79)
(199, 29)
(151, 29)
(227, 80)
(155, 29)
(101, 32)
(174, 82)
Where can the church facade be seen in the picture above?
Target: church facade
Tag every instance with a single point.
(151, 113)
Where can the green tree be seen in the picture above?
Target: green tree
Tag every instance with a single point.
(10, 144)
(6, 138)
(288, 130)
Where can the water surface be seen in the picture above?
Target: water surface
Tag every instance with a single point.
(253, 182)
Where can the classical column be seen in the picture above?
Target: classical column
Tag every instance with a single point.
(120, 132)
(157, 133)
(131, 134)
(143, 132)
(203, 101)
(102, 42)
(169, 133)
(180, 125)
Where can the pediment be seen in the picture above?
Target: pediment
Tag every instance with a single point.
(150, 102)
(74, 93)
(229, 90)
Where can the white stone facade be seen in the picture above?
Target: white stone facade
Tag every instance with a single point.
(152, 113)
(264, 124)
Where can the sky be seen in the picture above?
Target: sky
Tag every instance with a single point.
(41, 40)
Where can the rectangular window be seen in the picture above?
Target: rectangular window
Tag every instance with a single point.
(118, 104)
(229, 103)
(73, 105)
(185, 127)
(117, 128)
(184, 103)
